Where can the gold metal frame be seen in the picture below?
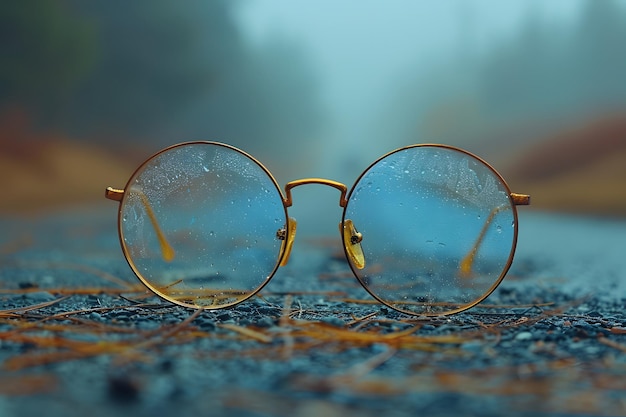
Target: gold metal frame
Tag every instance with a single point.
(120, 196)
(516, 199)
(350, 237)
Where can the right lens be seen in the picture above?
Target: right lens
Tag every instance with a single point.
(438, 229)
(199, 222)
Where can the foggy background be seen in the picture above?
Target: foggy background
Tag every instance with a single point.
(88, 90)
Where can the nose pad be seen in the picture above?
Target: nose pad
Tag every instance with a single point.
(285, 247)
(352, 242)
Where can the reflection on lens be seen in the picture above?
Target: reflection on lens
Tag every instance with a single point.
(438, 229)
(198, 224)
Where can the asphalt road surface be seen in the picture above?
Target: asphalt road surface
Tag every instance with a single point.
(80, 336)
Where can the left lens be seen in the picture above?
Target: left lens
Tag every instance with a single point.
(438, 229)
(198, 225)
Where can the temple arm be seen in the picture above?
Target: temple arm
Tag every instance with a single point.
(467, 262)
(167, 252)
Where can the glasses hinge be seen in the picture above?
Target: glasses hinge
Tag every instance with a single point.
(520, 199)
(114, 194)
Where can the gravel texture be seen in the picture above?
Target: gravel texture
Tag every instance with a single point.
(550, 341)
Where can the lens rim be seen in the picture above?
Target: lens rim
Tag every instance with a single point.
(506, 267)
(125, 249)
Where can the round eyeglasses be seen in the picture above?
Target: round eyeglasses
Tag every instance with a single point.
(426, 229)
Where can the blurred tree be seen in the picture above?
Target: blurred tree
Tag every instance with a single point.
(266, 101)
(544, 75)
(155, 70)
(520, 77)
(153, 59)
(45, 51)
(554, 72)
(598, 55)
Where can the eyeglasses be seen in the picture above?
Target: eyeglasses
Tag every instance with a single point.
(426, 229)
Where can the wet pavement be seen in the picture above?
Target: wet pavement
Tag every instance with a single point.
(79, 335)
